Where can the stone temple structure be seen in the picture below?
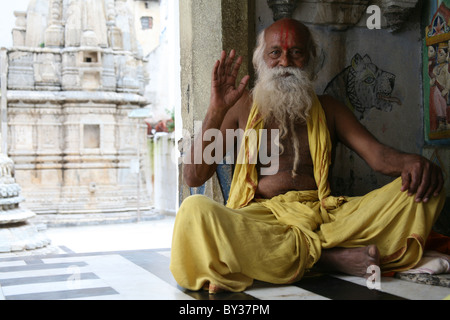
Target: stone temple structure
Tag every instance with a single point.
(74, 74)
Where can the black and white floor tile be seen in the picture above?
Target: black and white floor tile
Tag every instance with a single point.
(145, 275)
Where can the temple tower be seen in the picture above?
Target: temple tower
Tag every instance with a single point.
(74, 74)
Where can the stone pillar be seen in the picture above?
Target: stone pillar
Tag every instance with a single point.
(207, 28)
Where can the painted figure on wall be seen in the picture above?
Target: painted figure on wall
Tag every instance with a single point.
(363, 86)
(438, 41)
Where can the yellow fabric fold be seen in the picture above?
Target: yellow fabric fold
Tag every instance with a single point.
(245, 179)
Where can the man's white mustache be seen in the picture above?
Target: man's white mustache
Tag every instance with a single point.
(278, 72)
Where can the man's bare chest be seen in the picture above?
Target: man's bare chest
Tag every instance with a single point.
(286, 146)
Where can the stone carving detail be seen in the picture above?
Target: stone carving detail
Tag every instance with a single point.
(21, 70)
(73, 25)
(397, 12)
(54, 34)
(16, 233)
(336, 14)
(282, 8)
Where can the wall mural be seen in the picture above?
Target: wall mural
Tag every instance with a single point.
(437, 106)
(363, 86)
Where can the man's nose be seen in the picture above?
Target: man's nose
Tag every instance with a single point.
(284, 61)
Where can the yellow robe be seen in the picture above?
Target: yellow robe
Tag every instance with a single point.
(276, 240)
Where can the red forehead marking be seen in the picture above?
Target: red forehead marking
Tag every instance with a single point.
(284, 35)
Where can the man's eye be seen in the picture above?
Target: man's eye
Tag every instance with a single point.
(275, 53)
(296, 54)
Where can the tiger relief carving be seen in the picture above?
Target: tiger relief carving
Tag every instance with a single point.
(363, 86)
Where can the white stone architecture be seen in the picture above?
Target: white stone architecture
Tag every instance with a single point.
(75, 72)
(16, 233)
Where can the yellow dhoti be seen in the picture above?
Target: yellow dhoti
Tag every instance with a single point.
(276, 240)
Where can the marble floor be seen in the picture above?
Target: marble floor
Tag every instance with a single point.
(130, 262)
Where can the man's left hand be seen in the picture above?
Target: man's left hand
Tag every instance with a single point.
(422, 178)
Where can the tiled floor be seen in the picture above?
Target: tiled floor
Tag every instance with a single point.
(130, 261)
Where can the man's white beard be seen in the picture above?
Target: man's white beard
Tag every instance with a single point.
(283, 94)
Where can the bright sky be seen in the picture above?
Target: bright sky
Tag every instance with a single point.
(8, 20)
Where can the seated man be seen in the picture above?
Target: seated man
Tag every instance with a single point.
(277, 226)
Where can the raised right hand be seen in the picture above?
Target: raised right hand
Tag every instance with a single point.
(224, 93)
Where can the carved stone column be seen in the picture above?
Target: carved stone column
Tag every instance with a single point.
(282, 8)
(54, 34)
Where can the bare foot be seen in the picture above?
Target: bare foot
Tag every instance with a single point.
(212, 288)
(352, 261)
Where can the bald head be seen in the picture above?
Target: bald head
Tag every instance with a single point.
(285, 43)
(288, 30)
